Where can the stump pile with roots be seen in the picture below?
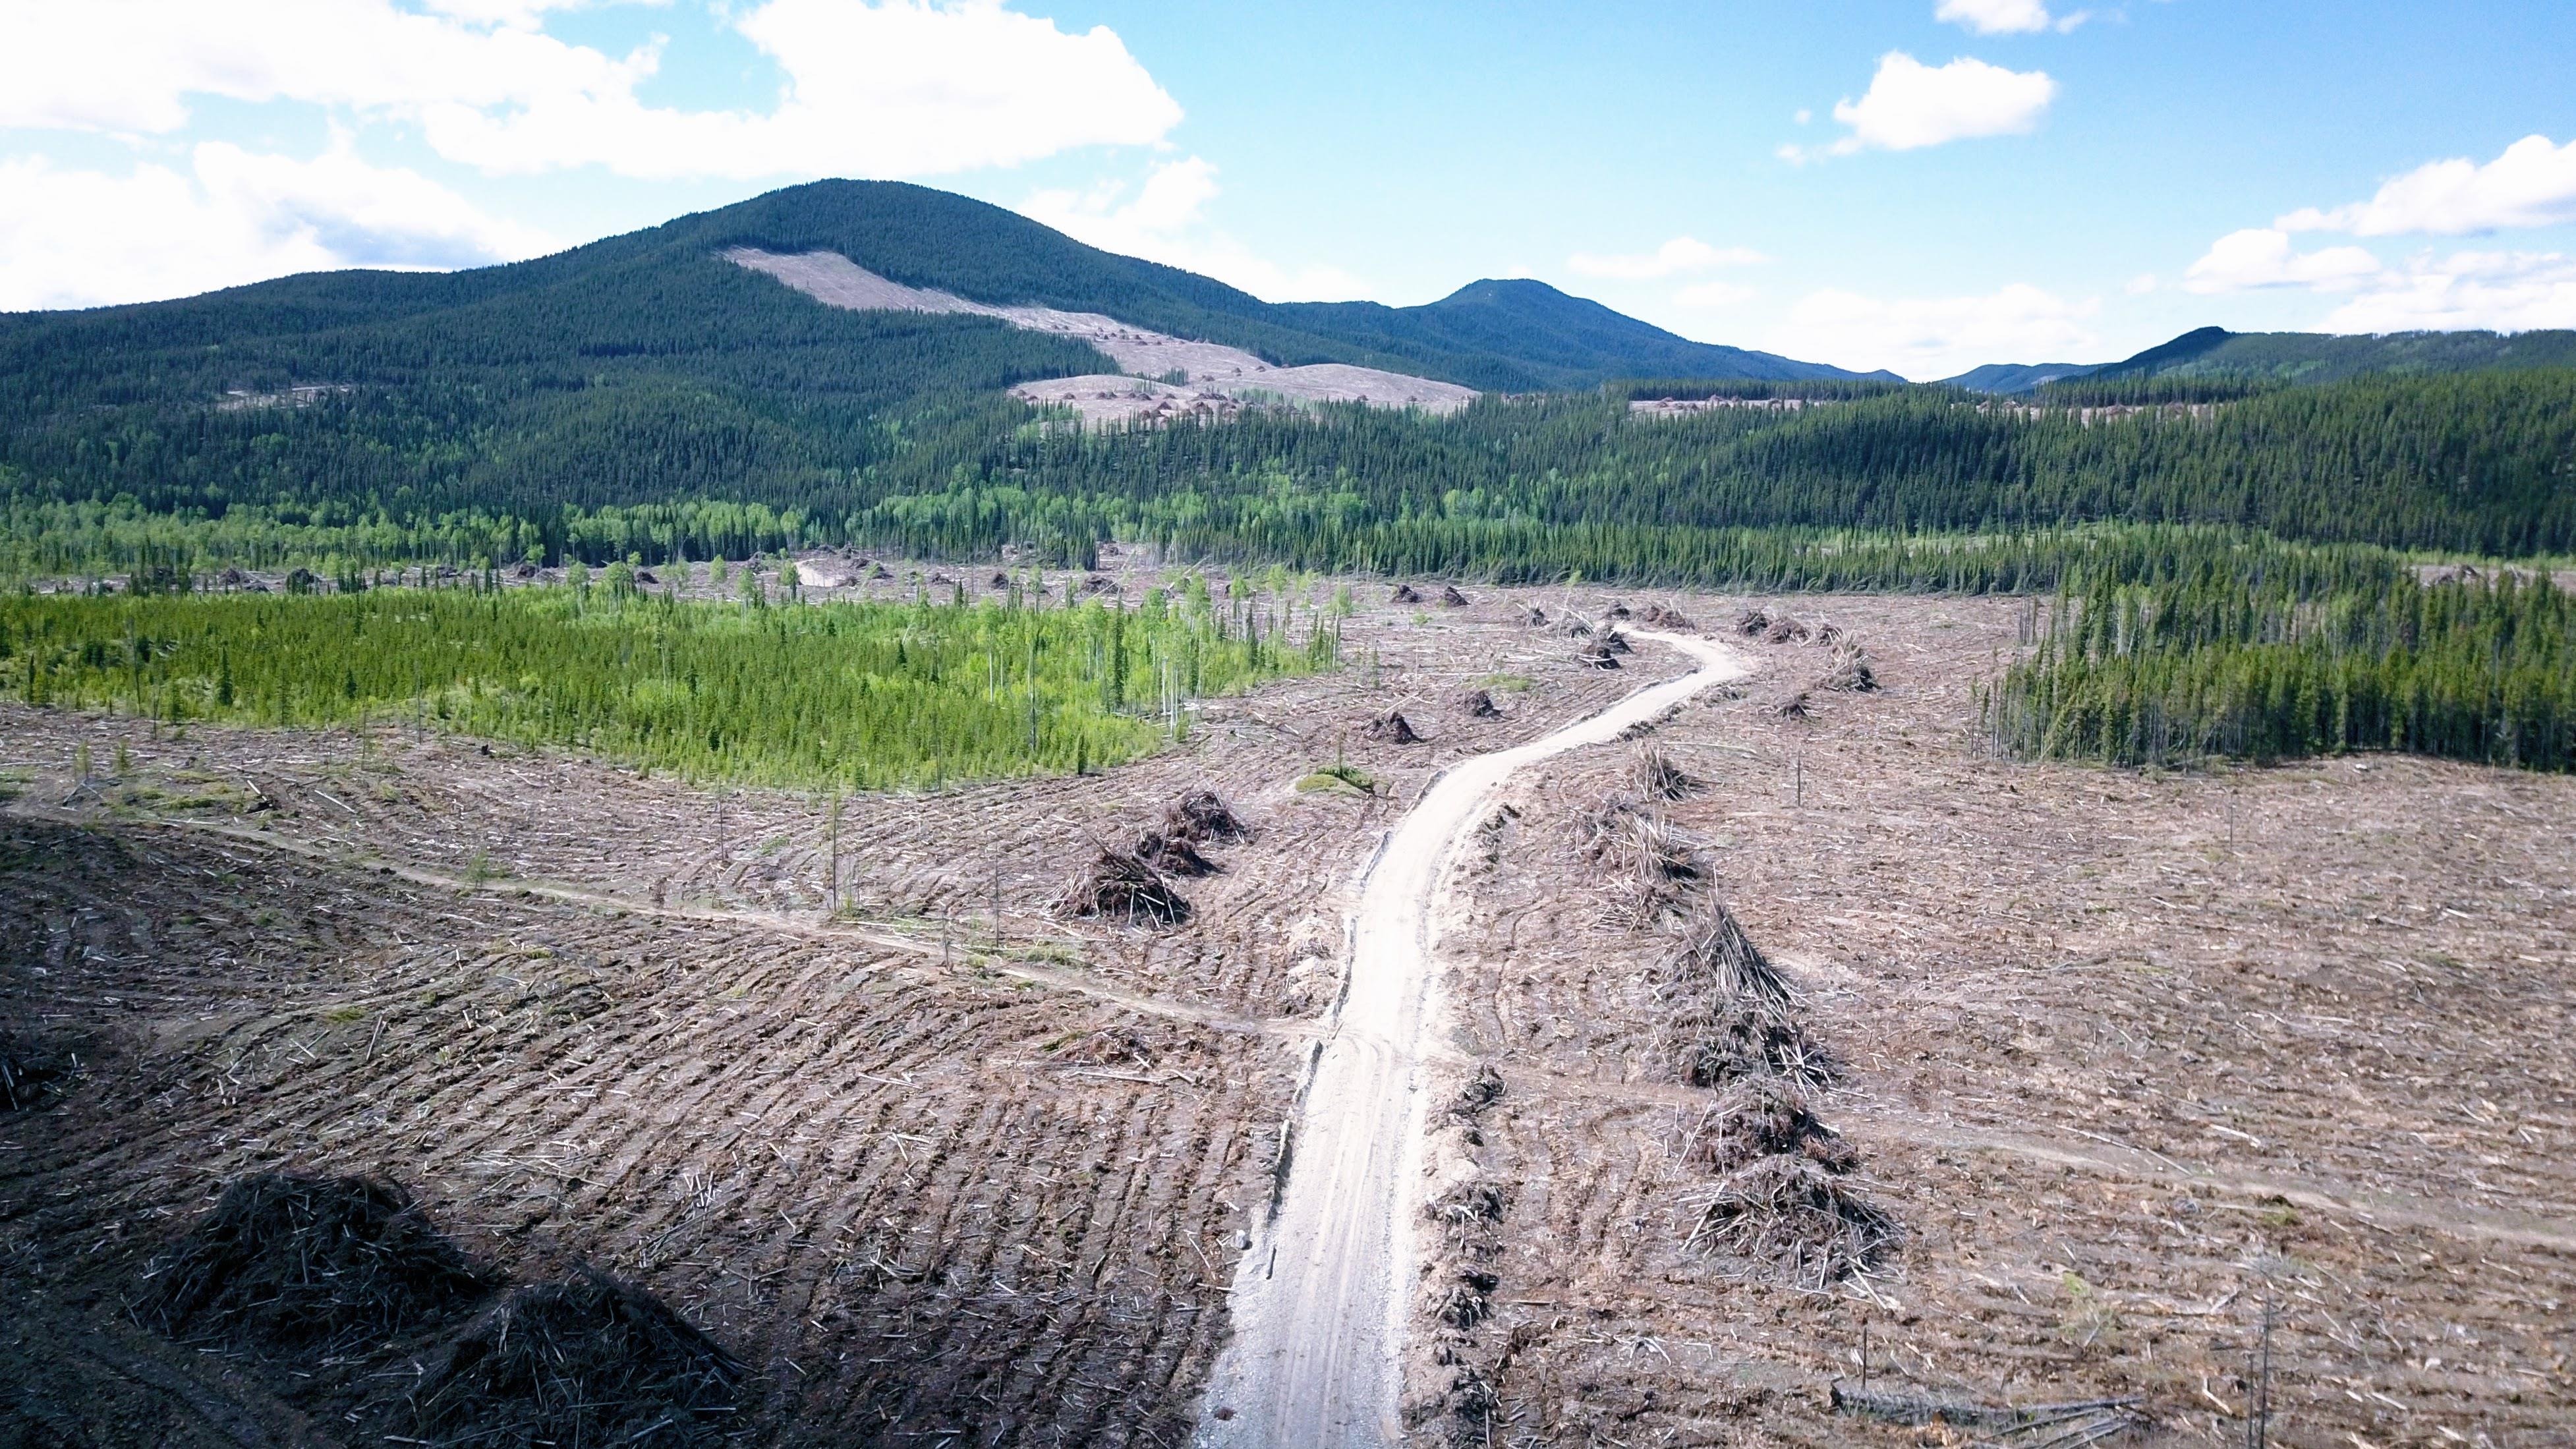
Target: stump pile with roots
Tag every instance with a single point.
(591, 1360)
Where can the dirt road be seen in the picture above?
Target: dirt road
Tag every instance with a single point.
(1320, 1298)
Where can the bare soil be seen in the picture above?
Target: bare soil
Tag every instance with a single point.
(2123, 1058)
(2126, 1058)
(933, 1171)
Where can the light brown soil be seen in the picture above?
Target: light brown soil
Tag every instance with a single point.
(928, 1189)
(2119, 1080)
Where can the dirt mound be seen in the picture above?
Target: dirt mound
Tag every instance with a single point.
(1787, 1217)
(1849, 673)
(1201, 816)
(31, 1071)
(309, 1263)
(1451, 598)
(1658, 778)
(593, 1361)
(1477, 704)
(1404, 594)
(1761, 1117)
(1172, 855)
(1119, 886)
(1394, 729)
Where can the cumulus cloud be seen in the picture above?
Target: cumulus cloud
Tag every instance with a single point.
(1164, 220)
(2504, 291)
(1680, 255)
(2532, 184)
(1910, 105)
(75, 238)
(893, 88)
(1929, 337)
(2262, 257)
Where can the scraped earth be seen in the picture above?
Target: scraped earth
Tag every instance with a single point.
(1216, 380)
(2125, 1062)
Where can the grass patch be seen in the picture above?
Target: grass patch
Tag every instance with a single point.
(1507, 683)
(1338, 778)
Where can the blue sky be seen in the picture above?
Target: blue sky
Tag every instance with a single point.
(1915, 184)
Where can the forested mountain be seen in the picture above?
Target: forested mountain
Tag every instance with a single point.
(1539, 338)
(2294, 358)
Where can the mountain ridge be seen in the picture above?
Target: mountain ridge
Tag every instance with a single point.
(2293, 358)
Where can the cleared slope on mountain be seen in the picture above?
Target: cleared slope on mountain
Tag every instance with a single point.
(1222, 374)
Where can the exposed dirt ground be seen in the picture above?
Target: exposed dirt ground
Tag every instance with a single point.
(930, 1189)
(2124, 1059)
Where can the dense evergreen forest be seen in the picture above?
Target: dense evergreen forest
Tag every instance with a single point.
(2223, 663)
(768, 690)
(2478, 463)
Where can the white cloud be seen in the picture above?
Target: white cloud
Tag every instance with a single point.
(1714, 294)
(894, 88)
(1911, 105)
(2505, 291)
(1932, 337)
(1681, 254)
(1995, 17)
(2141, 284)
(2532, 184)
(1164, 222)
(2261, 257)
(72, 238)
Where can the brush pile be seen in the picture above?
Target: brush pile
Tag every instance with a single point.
(1785, 630)
(1119, 886)
(592, 1361)
(31, 1072)
(1404, 594)
(310, 1263)
(1729, 1016)
(1663, 617)
(1477, 704)
(1394, 729)
(1202, 816)
(1570, 626)
(1788, 1216)
(1653, 867)
(1615, 642)
(1758, 1117)
(1849, 673)
(1172, 855)
(1001, 581)
(1598, 655)
(1656, 777)
(1791, 706)
(1534, 617)
(1752, 623)
(1451, 598)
